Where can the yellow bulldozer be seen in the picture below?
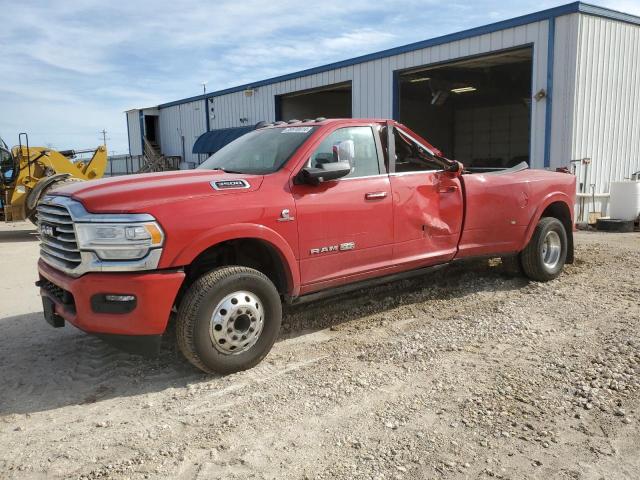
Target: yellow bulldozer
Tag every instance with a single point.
(28, 173)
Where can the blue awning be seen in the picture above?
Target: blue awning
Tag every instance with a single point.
(211, 142)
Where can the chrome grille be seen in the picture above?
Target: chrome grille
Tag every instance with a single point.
(58, 245)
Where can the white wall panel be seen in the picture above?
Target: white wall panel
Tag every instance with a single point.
(564, 89)
(606, 121)
(372, 82)
(170, 137)
(372, 89)
(135, 137)
(180, 126)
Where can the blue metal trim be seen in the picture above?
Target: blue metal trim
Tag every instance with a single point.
(141, 114)
(533, 82)
(452, 37)
(549, 106)
(395, 111)
(206, 112)
(548, 14)
(128, 134)
(589, 9)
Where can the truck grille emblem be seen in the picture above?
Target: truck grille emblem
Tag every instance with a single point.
(48, 230)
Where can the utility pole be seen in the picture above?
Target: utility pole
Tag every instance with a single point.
(104, 137)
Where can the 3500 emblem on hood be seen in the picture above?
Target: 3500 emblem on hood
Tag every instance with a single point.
(230, 184)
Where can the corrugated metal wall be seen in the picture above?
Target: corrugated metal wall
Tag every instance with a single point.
(606, 121)
(372, 84)
(564, 84)
(186, 121)
(135, 137)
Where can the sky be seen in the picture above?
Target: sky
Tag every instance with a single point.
(69, 69)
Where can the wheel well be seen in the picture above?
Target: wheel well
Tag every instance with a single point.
(246, 252)
(560, 210)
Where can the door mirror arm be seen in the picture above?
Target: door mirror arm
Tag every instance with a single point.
(324, 173)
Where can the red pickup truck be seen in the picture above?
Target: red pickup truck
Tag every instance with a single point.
(288, 212)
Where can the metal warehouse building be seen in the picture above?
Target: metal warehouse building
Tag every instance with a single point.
(550, 88)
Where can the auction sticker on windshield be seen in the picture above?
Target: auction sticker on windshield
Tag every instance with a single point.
(297, 130)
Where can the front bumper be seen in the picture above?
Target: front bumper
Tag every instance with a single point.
(155, 292)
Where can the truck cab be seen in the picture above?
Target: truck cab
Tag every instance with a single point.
(286, 213)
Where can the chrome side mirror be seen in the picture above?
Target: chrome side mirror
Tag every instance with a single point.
(344, 151)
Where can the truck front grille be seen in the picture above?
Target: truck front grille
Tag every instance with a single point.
(58, 238)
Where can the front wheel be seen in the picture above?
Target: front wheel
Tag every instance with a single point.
(544, 257)
(228, 320)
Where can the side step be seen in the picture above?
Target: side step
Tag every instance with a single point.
(330, 292)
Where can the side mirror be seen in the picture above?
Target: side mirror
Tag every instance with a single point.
(325, 172)
(344, 151)
(344, 154)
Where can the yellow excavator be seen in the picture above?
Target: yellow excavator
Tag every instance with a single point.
(28, 173)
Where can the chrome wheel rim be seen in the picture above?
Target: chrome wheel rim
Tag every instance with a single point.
(236, 323)
(551, 249)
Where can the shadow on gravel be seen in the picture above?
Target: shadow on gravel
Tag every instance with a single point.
(450, 283)
(45, 368)
(18, 236)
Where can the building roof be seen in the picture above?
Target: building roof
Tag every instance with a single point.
(575, 7)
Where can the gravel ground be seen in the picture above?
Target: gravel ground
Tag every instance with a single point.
(467, 373)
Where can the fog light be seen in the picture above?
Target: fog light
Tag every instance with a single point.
(119, 298)
(113, 303)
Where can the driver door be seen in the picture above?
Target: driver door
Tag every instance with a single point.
(427, 201)
(345, 226)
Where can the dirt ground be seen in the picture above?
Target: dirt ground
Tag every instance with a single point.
(467, 373)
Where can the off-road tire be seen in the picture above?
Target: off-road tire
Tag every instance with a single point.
(196, 310)
(532, 257)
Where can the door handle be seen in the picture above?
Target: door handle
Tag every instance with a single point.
(375, 195)
(448, 189)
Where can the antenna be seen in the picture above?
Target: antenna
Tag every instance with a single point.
(204, 86)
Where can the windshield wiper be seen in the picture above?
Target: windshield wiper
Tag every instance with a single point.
(227, 170)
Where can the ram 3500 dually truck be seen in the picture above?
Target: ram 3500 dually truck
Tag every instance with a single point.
(287, 212)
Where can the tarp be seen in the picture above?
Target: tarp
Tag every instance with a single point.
(211, 142)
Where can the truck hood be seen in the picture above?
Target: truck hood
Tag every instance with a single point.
(134, 193)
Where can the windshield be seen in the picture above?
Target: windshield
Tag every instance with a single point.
(259, 152)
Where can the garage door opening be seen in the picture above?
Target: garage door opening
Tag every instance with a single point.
(332, 101)
(476, 110)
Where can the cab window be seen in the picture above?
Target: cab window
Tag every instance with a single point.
(6, 166)
(411, 156)
(365, 162)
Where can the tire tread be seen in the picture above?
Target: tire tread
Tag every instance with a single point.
(191, 302)
(530, 258)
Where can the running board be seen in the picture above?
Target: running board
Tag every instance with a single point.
(333, 291)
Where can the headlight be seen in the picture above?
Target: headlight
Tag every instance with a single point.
(119, 241)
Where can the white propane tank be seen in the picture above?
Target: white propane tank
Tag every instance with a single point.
(625, 200)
